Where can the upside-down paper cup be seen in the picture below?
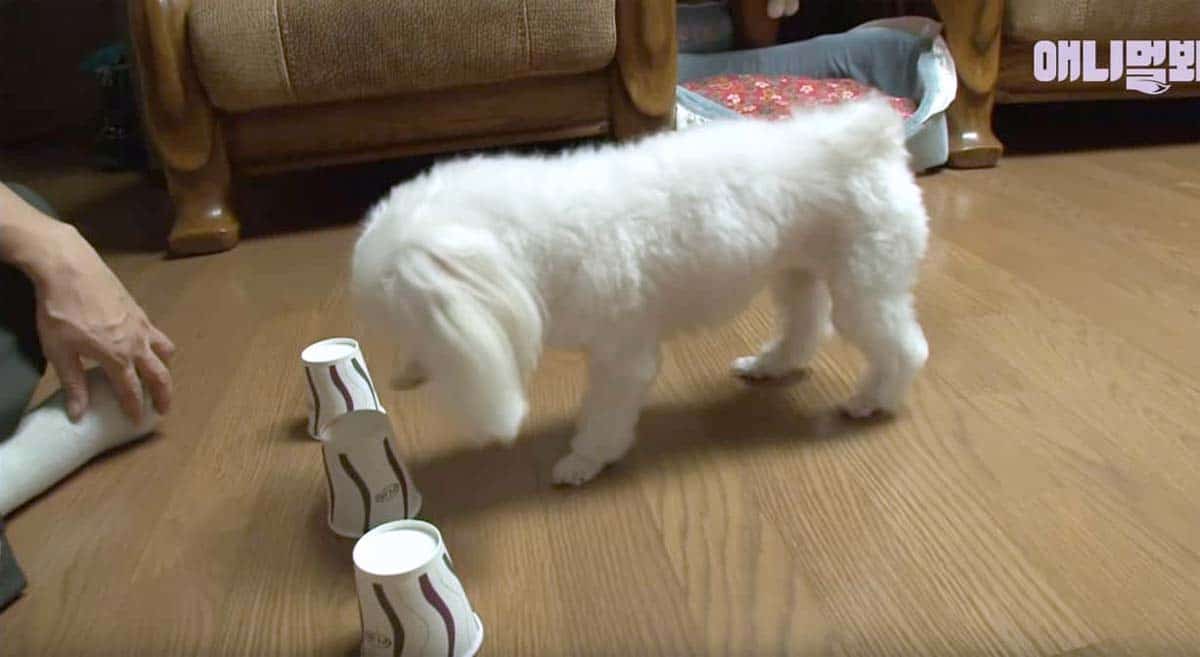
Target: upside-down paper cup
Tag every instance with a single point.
(367, 482)
(338, 382)
(409, 597)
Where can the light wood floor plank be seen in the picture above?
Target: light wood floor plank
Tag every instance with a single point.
(1038, 496)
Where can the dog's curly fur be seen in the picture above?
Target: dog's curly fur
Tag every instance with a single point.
(476, 264)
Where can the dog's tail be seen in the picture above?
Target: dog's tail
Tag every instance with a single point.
(482, 324)
(867, 125)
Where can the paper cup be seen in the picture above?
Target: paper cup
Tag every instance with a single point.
(367, 482)
(409, 597)
(338, 382)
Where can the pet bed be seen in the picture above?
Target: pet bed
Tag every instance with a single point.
(905, 58)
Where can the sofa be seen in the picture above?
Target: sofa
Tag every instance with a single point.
(992, 42)
(241, 87)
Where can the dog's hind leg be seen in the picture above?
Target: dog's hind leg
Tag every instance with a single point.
(802, 312)
(884, 326)
(618, 380)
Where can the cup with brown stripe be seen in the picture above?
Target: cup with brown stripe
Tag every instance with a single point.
(338, 382)
(367, 483)
(410, 599)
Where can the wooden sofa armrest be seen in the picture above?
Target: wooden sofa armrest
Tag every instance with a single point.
(183, 127)
(166, 34)
(646, 70)
(646, 53)
(178, 115)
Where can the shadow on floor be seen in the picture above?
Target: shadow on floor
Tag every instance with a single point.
(133, 214)
(1096, 125)
(339, 195)
(126, 218)
(748, 419)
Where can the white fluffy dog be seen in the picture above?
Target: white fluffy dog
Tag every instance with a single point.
(476, 264)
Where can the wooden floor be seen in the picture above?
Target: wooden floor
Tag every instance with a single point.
(1040, 495)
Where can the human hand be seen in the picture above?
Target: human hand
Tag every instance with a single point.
(83, 311)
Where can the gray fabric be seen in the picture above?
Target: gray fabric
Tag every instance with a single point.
(12, 581)
(704, 27)
(21, 367)
(900, 60)
(21, 360)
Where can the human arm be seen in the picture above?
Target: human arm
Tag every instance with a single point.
(83, 311)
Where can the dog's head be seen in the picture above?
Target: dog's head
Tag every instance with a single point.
(464, 316)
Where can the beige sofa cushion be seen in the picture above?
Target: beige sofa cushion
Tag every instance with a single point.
(253, 54)
(1031, 20)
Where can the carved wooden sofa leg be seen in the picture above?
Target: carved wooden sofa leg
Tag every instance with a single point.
(204, 218)
(973, 34)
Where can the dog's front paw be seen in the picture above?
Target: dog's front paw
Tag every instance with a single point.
(861, 407)
(763, 367)
(409, 375)
(405, 382)
(574, 470)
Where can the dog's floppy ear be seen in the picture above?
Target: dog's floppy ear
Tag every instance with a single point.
(483, 331)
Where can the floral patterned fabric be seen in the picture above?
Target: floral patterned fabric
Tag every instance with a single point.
(772, 97)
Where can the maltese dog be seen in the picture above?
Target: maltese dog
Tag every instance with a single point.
(476, 264)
